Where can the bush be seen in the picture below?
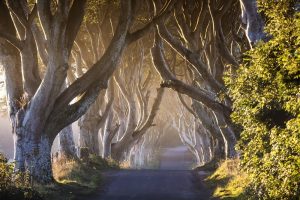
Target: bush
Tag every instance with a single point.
(266, 98)
(5, 173)
(102, 164)
(15, 186)
(229, 180)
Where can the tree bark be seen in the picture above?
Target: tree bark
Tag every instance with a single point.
(66, 141)
(253, 20)
(109, 134)
(209, 124)
(33, 156)
(132, 135)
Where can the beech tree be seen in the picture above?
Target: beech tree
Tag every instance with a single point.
(135, 90)
(110, 129)
(253, 21)
(67, 149)
(97, 31)
(144, 154)
(201, 41)
(40, 105)
(58, 62)
(207, 35)
(187, 131)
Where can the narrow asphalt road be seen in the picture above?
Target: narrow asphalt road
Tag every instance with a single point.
(172, 182)
(153, 185)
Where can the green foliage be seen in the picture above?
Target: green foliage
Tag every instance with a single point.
(5, 173)
(229, 181)
(76, 178)
(97, 9)
(266, 94)
(100, 163)
(14, 186)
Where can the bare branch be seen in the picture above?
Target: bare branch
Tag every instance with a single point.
(220, 38)
(12, 39)
(7, 29)
(186, 106)
(166, 10)
(103, 69)
(153, 112)
(32, 15)
(172, 82)
(192, 58)
(45, 16)
(16, 8)
(61, 118)
(74, 21)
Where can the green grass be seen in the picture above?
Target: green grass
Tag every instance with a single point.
(76, 178)
(228, 181)
(73, 178)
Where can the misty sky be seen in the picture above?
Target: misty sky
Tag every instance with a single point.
(6, 139)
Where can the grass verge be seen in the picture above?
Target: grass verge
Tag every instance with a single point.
(76, 178)
(229, 181)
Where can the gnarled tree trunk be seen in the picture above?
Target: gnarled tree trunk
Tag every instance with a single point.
(67, 147)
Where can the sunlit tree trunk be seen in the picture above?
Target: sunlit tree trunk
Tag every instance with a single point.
(253, 21)
(136, 125)
(67, 147)
(45, 112)
(89, 126)
(108, 135)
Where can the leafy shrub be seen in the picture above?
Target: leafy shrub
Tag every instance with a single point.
(229, 180)
(15, 186)
(101, 163)
(266, 94)
(5, 173)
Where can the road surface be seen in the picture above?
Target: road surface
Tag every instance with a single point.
(153, 185)
(173, 181)
(176, 158)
